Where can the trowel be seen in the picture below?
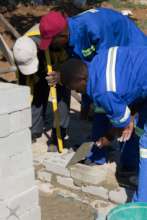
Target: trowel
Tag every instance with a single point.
(80, 154)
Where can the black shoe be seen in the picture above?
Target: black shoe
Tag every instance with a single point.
(53, 139)
(35, 136)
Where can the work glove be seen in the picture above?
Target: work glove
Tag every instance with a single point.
(53, 78)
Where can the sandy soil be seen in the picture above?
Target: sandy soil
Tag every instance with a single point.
(55, 207)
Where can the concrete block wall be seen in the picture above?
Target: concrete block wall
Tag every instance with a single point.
(98, 182)
(18, 192)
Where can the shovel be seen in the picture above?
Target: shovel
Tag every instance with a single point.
(80, 154)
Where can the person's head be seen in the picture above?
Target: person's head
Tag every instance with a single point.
(74, 75)
(53, 29)
(25, 55)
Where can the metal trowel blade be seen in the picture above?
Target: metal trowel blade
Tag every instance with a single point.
(81, 153)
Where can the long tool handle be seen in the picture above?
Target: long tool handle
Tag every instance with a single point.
(53, 93)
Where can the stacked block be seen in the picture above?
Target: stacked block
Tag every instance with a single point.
(18, 192)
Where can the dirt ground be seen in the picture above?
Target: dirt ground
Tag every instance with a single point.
(55, 207)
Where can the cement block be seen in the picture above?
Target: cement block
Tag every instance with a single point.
(12, 217)
(15, 122)
(15, 143)
(4, 211)
(24, 201)
(21, 203)
(13, 97)
(4, 125)
(45, 188)
(118, 196)
(96, 204)
(93, 175)
(65, 156)
(13, 185)
(43, 175)
(20, 120)
(96, 191)
(67, 182)
(68, 194)
(56, 164)
(15, 164)
(102, 211)
(34, 214)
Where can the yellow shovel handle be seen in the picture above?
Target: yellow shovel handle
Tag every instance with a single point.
(53, 93)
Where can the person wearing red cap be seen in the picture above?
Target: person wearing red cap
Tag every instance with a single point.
(89, 31)
(51, 25)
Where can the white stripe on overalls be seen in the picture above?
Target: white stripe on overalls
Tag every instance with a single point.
(126, 115)
(111, 77)
(143, 153)
(110, 70)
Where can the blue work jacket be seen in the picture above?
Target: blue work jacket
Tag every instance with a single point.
(118, 78)
(102, 28)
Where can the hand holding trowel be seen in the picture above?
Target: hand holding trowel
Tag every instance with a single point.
(86, 147)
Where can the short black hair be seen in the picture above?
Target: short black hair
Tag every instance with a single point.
(73, 70)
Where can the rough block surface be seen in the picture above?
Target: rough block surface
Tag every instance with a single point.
(34, 214)
(15, 164)
(13, 185)
(14, 122)
(21, 203)
(118, 196)
(67, 182)
(43, 175)
(93, 175)
(56, 163)
(15, 143)
(96, 191)
(13, 97)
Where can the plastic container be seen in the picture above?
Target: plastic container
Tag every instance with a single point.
(129, 211)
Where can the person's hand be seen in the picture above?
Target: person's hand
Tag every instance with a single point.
(103, 142)
(127, 132)
(53, 78)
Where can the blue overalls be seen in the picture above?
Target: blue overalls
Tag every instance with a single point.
(117, 80)
(99, 29)
(102, 28)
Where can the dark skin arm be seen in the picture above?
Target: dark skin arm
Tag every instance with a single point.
(122, 134)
